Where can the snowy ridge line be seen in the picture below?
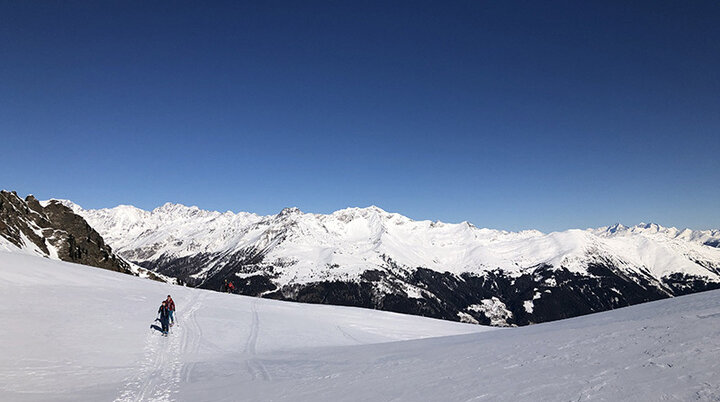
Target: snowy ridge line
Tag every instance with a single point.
(310, 247)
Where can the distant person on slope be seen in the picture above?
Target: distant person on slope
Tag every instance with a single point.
(231, 287)
(164, 318)
(171, 308)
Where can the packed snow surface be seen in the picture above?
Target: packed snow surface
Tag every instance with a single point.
(72, 333)
(353, 240)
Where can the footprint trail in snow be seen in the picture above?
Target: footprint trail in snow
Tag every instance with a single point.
(162, 369)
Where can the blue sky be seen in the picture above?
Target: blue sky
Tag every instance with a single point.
(511, 115)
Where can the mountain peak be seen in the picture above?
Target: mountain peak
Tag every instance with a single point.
(375, 208)
(616, 228)
(290, 211)
(73, 206)
(170, 207)
(372, 209)
(649, 227)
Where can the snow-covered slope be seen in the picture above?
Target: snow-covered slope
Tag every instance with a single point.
(72, 333)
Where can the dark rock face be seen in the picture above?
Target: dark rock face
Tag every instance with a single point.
(55, 228)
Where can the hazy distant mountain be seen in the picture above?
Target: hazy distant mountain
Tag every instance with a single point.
(371, 258)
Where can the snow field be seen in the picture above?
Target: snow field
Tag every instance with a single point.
(73, 333)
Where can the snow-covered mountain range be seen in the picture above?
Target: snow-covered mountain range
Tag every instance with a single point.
(368, 257)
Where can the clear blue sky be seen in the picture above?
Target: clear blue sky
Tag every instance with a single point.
(511, 115)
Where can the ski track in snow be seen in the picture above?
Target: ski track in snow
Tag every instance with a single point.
(255, 366)
(347, 335)
(162, 369)
(192, 334)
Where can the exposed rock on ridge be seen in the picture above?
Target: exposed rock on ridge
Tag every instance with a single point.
(54, 230)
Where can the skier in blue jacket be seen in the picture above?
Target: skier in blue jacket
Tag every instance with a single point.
(164, 313)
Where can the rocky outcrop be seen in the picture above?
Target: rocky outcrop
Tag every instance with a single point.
(55, 231)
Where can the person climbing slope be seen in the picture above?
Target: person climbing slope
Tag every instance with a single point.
(171, 309)
(164, 314)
